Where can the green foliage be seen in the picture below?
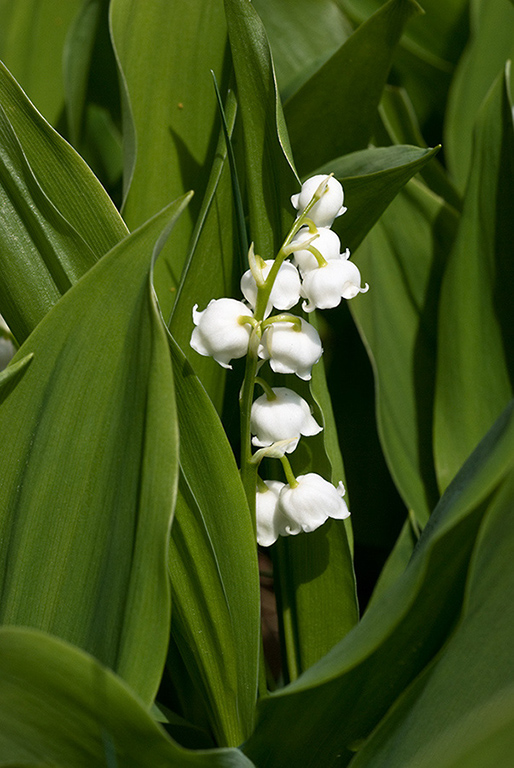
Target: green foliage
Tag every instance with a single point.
(129, 575)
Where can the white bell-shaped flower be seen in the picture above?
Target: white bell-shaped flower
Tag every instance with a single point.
(286, 416)
(327, 243)
(220, 330)
(286, 288)
(309, 504)
(325, 286)
(266, 513)
(329, 207)
(291, 350)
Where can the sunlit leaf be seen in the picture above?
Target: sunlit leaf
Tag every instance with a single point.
(58, 219)
(89, 481)
(166, 51)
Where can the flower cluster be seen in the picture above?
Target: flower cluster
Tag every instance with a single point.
(321, 275)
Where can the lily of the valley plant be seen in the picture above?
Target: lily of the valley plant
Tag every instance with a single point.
(229, 329)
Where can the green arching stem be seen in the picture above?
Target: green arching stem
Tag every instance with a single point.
(291, 479)
(263, 293)
(268, 391)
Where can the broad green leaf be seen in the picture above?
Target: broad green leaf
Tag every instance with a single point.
(90, 717)
(491, 44)
(89, 482)
(334, 111)
(448, 713)
(302, 34)
(41, 254)
(73, 189)
(78, 52)
(476, 321)
(32, 36)
(402, 259)
(349, 691)
(213, 566)
(165, 51)
(270, 175)
(210, 266)
(60, 220)
(371, 179)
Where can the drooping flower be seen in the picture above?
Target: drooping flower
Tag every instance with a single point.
(329, 207)
(286, 288)
(266, 512)
(309, 504)
(286, 416)
(221, 331)
(327, 243)
(325, 286)
(291, 349)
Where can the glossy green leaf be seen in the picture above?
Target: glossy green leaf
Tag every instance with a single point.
(89, 482)
(303, 35)
(491, 44)
(402, 259)
(210, 267)
(348, 692)
(371, 179)
(213, 566)
(334, 111)
(57, 211)
(476, 320)
(166, 51)
(90, 718)
(32, 36)
(446, 717)
(270, 175)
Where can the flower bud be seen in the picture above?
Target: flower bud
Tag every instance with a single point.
(325, 286)
(329, 207)
(286, 288)
(266, 513)
(327, 243)
(286, 416)
(307, 506)
(219, 332)
(290, 350)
